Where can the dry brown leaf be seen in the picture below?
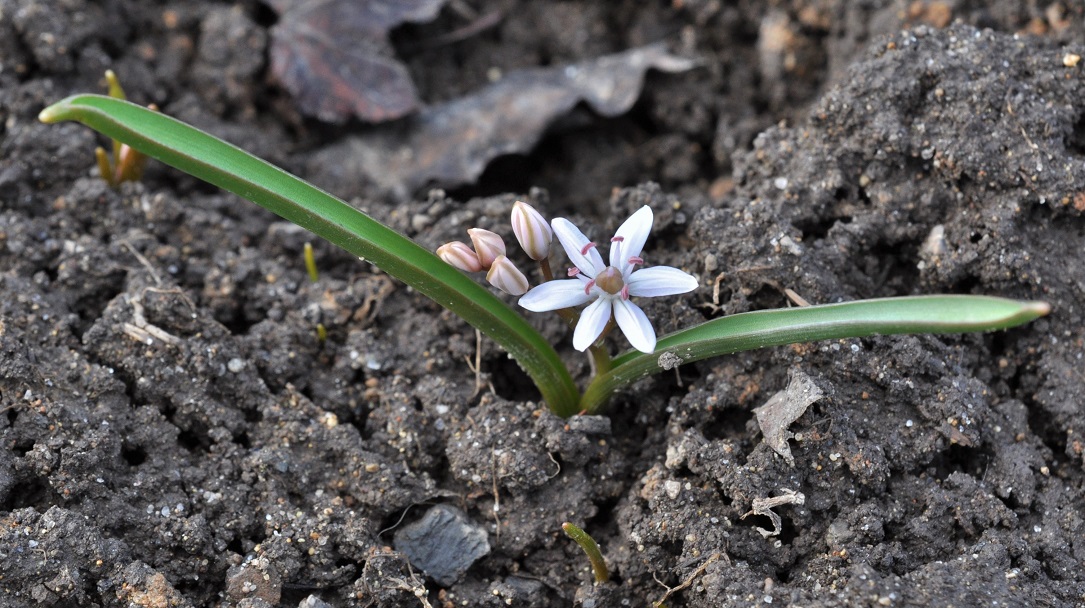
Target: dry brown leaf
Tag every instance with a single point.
(450, 144)
(334, 57)
(786, 407)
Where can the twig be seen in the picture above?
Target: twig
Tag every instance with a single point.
(689, 580)
(497, 497)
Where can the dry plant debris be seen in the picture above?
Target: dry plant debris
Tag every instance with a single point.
(786, 407)
(335, 58)
(450, 143)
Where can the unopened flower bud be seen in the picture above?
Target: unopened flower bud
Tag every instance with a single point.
(488, 246)
(532, 230)
(459, 255)
(505, 276)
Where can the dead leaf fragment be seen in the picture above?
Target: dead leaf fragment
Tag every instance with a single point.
(334, 57)
(764, 506)
(786, 407)
(449, 144)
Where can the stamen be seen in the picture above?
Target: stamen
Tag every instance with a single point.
(625, 292)
(587, 288)
(633, 261)
(574, 271)
(584, 250)
(617, 239)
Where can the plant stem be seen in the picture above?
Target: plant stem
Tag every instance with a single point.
(600, 358)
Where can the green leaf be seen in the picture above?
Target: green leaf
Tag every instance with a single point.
(751, 330)
(226, 166)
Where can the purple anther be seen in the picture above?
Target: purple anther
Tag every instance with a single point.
(574, 271)
(587, 288)
(584, 251)
(617, 239)
(625, 292)
(633, 261)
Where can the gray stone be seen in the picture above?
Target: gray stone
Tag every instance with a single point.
(443, 544)
(314, 602)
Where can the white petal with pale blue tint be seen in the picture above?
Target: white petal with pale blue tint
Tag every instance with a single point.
(555, 295)
(592, 322)
(574, 242)
(633, 232)
(659, 281)
(635, 325)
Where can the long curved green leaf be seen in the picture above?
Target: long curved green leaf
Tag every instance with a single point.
(751, 330)
(226, 166)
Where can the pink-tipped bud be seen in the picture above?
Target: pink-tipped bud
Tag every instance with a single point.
(532, 230)
(488, 246)
(459, 255)
(505, 276)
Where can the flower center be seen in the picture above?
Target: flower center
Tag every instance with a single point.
(610, 280)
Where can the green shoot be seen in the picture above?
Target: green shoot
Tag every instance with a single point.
(310, 263)
(591, 548)
(126, 164)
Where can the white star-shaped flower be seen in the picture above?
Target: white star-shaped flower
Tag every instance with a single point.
(609, 287)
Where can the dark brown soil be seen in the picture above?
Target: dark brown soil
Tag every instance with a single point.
(174, 433)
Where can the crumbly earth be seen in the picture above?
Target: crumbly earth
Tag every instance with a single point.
(174, 432)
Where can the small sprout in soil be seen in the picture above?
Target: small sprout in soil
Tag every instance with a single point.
(310, 263)
(321, 333)
(127, 164)
(605, 287)
(591, 548)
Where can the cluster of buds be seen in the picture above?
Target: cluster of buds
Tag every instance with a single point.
(605, 286)
(487, 250)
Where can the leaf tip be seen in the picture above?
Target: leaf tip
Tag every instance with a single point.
(50, 114)
(1038, 309)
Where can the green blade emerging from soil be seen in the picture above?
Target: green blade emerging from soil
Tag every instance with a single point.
(230, 168)
(752, 330)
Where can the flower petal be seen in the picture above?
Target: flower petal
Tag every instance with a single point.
(635, 325)
(633, 232)
(555, 295)
(574, 242)
(592, 321)
(660, 281)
